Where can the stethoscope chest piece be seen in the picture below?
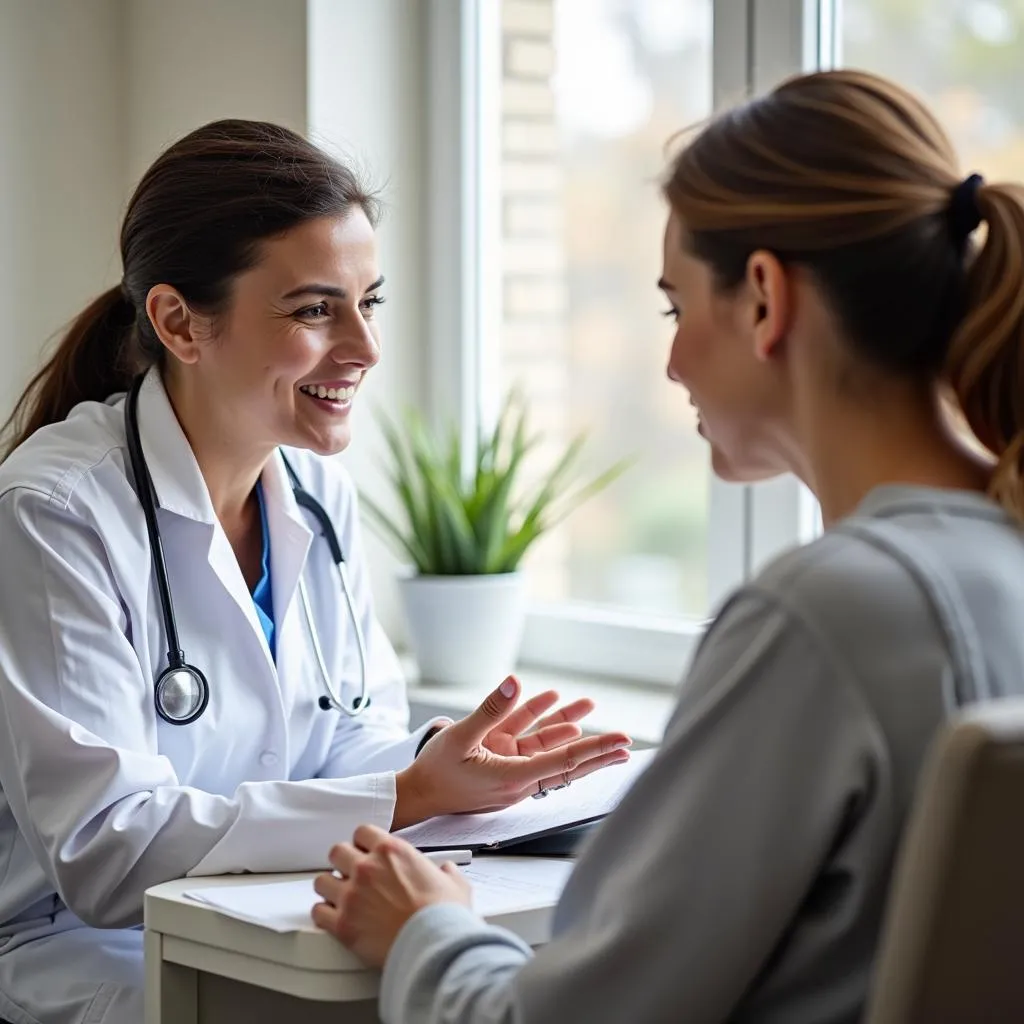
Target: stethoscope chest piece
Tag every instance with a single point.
(181, 694)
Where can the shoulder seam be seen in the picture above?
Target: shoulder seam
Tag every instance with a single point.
(62, 491)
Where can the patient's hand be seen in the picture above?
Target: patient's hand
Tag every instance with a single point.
(384, 882)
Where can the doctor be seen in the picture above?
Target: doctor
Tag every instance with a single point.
(188, 683)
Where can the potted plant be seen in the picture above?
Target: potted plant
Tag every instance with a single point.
(464, 525)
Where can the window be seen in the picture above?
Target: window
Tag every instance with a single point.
(592, 90)
(963, 56)
(562, 112)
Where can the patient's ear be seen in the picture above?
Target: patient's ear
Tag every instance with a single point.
(769, 307)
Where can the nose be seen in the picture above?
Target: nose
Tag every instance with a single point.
(356, 345)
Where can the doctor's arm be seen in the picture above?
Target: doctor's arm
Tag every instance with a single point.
(686, 890)
(103, 811)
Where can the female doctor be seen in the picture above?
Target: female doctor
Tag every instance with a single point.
(189, 682)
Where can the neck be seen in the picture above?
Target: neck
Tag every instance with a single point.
(230, 467)
(900, 434)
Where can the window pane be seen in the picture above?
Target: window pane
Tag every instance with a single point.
(593, 90)
(964, 57)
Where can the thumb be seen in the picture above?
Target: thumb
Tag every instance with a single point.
(496, 707)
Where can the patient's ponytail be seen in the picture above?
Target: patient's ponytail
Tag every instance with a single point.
(985, 365)
(90, 363)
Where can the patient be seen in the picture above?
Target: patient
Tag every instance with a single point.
(829, 295)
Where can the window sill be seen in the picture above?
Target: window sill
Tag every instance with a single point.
(641, 711)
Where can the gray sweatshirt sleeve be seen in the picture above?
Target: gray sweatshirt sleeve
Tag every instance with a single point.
(680, 899)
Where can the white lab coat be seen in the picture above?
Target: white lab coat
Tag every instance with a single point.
(100, 797)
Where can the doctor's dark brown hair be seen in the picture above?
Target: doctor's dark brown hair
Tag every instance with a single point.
(850, 176)
(194, 222)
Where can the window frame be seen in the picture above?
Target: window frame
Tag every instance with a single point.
(752, 48)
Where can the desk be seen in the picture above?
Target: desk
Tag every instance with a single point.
(202, 966)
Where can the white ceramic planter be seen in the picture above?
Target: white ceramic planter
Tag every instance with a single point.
(465, 630)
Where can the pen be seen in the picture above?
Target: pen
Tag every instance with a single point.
(455, 856)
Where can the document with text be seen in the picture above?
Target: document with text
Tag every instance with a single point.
(586, 800)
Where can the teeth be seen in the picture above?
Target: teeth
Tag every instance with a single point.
(332, 394)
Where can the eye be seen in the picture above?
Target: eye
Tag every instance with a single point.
(317, 312)
(371, 301)
(673, 312)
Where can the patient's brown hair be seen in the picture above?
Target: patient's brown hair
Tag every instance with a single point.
(851, 176)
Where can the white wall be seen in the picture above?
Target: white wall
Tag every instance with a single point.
(366, 104)
(61, 170)
(193, 61)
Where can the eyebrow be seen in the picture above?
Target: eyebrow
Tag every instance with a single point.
(330, 290)
(665, 286)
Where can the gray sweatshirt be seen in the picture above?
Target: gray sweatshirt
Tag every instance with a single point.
(744, 876)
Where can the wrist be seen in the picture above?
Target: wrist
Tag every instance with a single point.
(410, 806)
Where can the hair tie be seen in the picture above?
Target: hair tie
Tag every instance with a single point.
(963, 213)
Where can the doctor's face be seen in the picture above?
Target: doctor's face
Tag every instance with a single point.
(737, 397)
(285, 362)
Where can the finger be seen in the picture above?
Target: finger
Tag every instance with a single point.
(453, 871)
(574, 712)
(549, 737)
(369, 837)
(344, 857)
(329, 887)
(569, 757)
(522, 718)
(582, 771)
(325, 917)
(495, 708)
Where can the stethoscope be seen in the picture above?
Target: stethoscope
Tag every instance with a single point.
(181, 691)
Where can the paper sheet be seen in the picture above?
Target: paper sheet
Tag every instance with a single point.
(591, 797)
(501, 885)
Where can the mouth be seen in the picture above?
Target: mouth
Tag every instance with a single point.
(331, 396)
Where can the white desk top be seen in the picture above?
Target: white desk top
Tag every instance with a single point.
(307, 963)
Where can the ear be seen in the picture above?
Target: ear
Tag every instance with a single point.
(177, 327)
(770, 300)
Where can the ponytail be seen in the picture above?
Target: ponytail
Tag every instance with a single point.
(91, 363)
(985, 363)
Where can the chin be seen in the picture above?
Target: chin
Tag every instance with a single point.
(333, 445)
(734, 470)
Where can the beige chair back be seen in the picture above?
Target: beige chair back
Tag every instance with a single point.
(953, 942)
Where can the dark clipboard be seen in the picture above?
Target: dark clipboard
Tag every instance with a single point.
(560, 841)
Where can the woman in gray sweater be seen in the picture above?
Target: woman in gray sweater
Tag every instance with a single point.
(836, 319)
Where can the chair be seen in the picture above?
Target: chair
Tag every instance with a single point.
(952, 945)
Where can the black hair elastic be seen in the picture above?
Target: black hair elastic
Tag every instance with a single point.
(963, 213)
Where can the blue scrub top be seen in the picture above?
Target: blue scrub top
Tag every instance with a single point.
(263, 594)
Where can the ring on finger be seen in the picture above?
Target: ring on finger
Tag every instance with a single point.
(541, 791)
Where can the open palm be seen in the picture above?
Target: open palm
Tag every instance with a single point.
(525, 733)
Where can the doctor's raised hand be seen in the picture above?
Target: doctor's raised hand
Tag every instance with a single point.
(496, 756)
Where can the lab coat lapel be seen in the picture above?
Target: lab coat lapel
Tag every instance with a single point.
(181, 490)
(290, 540)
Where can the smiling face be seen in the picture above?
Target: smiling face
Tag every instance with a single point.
(283, 364)
(726, 353)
